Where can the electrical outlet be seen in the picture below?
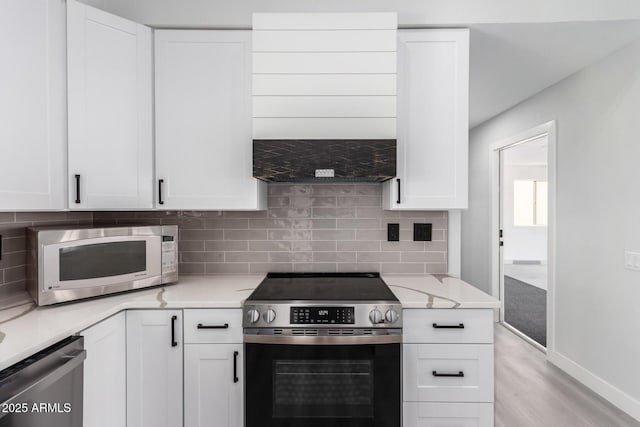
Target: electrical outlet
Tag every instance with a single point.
(421, 232)
(631, 260)
(393, 232)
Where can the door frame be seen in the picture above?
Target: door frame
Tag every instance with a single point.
(548, 129)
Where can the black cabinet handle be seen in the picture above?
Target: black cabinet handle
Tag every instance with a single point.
(235, 367)
(201, 326)
(174, 343)
(458, 326)
(160, 182)
(77, 188)
(398, 181)
(447, 374)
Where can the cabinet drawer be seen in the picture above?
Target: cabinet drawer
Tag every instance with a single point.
(203, 326)
(447, 326)
(447, 415)
(448, 372)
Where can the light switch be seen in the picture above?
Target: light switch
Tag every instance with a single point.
(632, 260)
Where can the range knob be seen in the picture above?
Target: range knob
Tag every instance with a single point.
(391, 316)
(253, 316)
(269, 316)
(375, 316)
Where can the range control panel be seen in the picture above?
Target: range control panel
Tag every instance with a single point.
(322, 315)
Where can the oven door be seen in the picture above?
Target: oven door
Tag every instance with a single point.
(322, 385)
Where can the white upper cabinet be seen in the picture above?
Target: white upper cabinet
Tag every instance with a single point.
(433, 117)
(32, 105)
(203, 121)
(110, 110)
(324, 75)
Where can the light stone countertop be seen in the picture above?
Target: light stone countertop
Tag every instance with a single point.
(438, 291)
(27, 329)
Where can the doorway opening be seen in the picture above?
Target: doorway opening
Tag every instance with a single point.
(523, 220)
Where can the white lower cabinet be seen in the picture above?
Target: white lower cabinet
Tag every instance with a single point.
(154, 368)
(447, 368)
(105, 380)
(426, 414)
(448, 372)
(213, 368)
(213, 388)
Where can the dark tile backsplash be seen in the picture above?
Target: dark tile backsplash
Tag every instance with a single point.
(307, 227)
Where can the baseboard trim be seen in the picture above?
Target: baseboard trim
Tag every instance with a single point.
(609, 392)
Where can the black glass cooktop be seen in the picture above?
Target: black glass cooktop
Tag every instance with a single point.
(322, 287)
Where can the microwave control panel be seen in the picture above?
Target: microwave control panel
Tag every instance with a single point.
(169, 254)
(322, 315)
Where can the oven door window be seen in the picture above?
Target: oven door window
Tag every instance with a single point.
(323, 388)
(102, 260)
(322, 385)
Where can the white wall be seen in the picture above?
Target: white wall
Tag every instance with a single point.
(522, 242)
(597, 308)
(226, 13)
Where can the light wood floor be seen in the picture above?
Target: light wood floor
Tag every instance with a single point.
(532, 392)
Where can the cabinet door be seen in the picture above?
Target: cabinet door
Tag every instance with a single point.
(213, 385)
(105, 374)
(154, 368)
(433, 122)
(203, 121)
(32, 105)
(110, 110)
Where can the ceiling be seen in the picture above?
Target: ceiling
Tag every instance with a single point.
(511, 62)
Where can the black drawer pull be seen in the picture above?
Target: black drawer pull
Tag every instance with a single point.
(174, 343)
(201, 326)
(458, 326)
(447, 374)
(235, 367)
(398, 181)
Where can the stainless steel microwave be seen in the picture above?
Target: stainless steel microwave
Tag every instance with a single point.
(65, 264)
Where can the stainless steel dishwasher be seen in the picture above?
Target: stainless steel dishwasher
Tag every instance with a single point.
(45, 390)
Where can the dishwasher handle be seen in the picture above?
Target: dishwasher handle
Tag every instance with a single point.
(73, 360)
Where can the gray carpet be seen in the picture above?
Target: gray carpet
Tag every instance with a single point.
(525, 308)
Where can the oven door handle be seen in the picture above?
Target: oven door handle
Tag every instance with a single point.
(323, 339)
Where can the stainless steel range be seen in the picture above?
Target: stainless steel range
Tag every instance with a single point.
(322, 349)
